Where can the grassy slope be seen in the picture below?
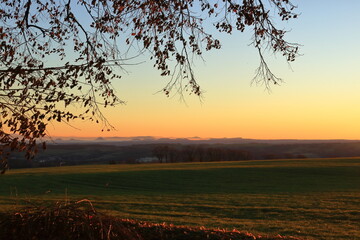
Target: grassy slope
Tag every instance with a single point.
(318, 198)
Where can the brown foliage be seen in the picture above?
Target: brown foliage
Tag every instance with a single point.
(80, 221)
(63, 221)
(55, 54)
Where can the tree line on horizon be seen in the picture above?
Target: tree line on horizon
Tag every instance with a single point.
(198, 153)
(82, 154)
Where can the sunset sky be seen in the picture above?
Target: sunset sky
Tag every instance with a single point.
(319, 99)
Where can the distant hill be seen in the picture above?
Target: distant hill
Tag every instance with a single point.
(77, 151)
(122, 141)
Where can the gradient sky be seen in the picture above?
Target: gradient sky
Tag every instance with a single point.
(319, 99)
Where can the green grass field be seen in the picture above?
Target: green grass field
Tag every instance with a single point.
(313, 198)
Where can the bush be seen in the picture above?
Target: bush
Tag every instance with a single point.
(79, 220)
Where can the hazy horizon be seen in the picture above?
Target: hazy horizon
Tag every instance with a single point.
(190, 138)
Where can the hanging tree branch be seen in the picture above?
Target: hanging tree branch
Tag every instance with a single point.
(92, 40)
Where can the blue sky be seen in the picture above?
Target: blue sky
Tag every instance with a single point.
(319, 97)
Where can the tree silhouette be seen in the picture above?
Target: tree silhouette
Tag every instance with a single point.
(56, 54)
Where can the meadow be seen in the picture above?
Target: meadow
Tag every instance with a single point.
(311, 198)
